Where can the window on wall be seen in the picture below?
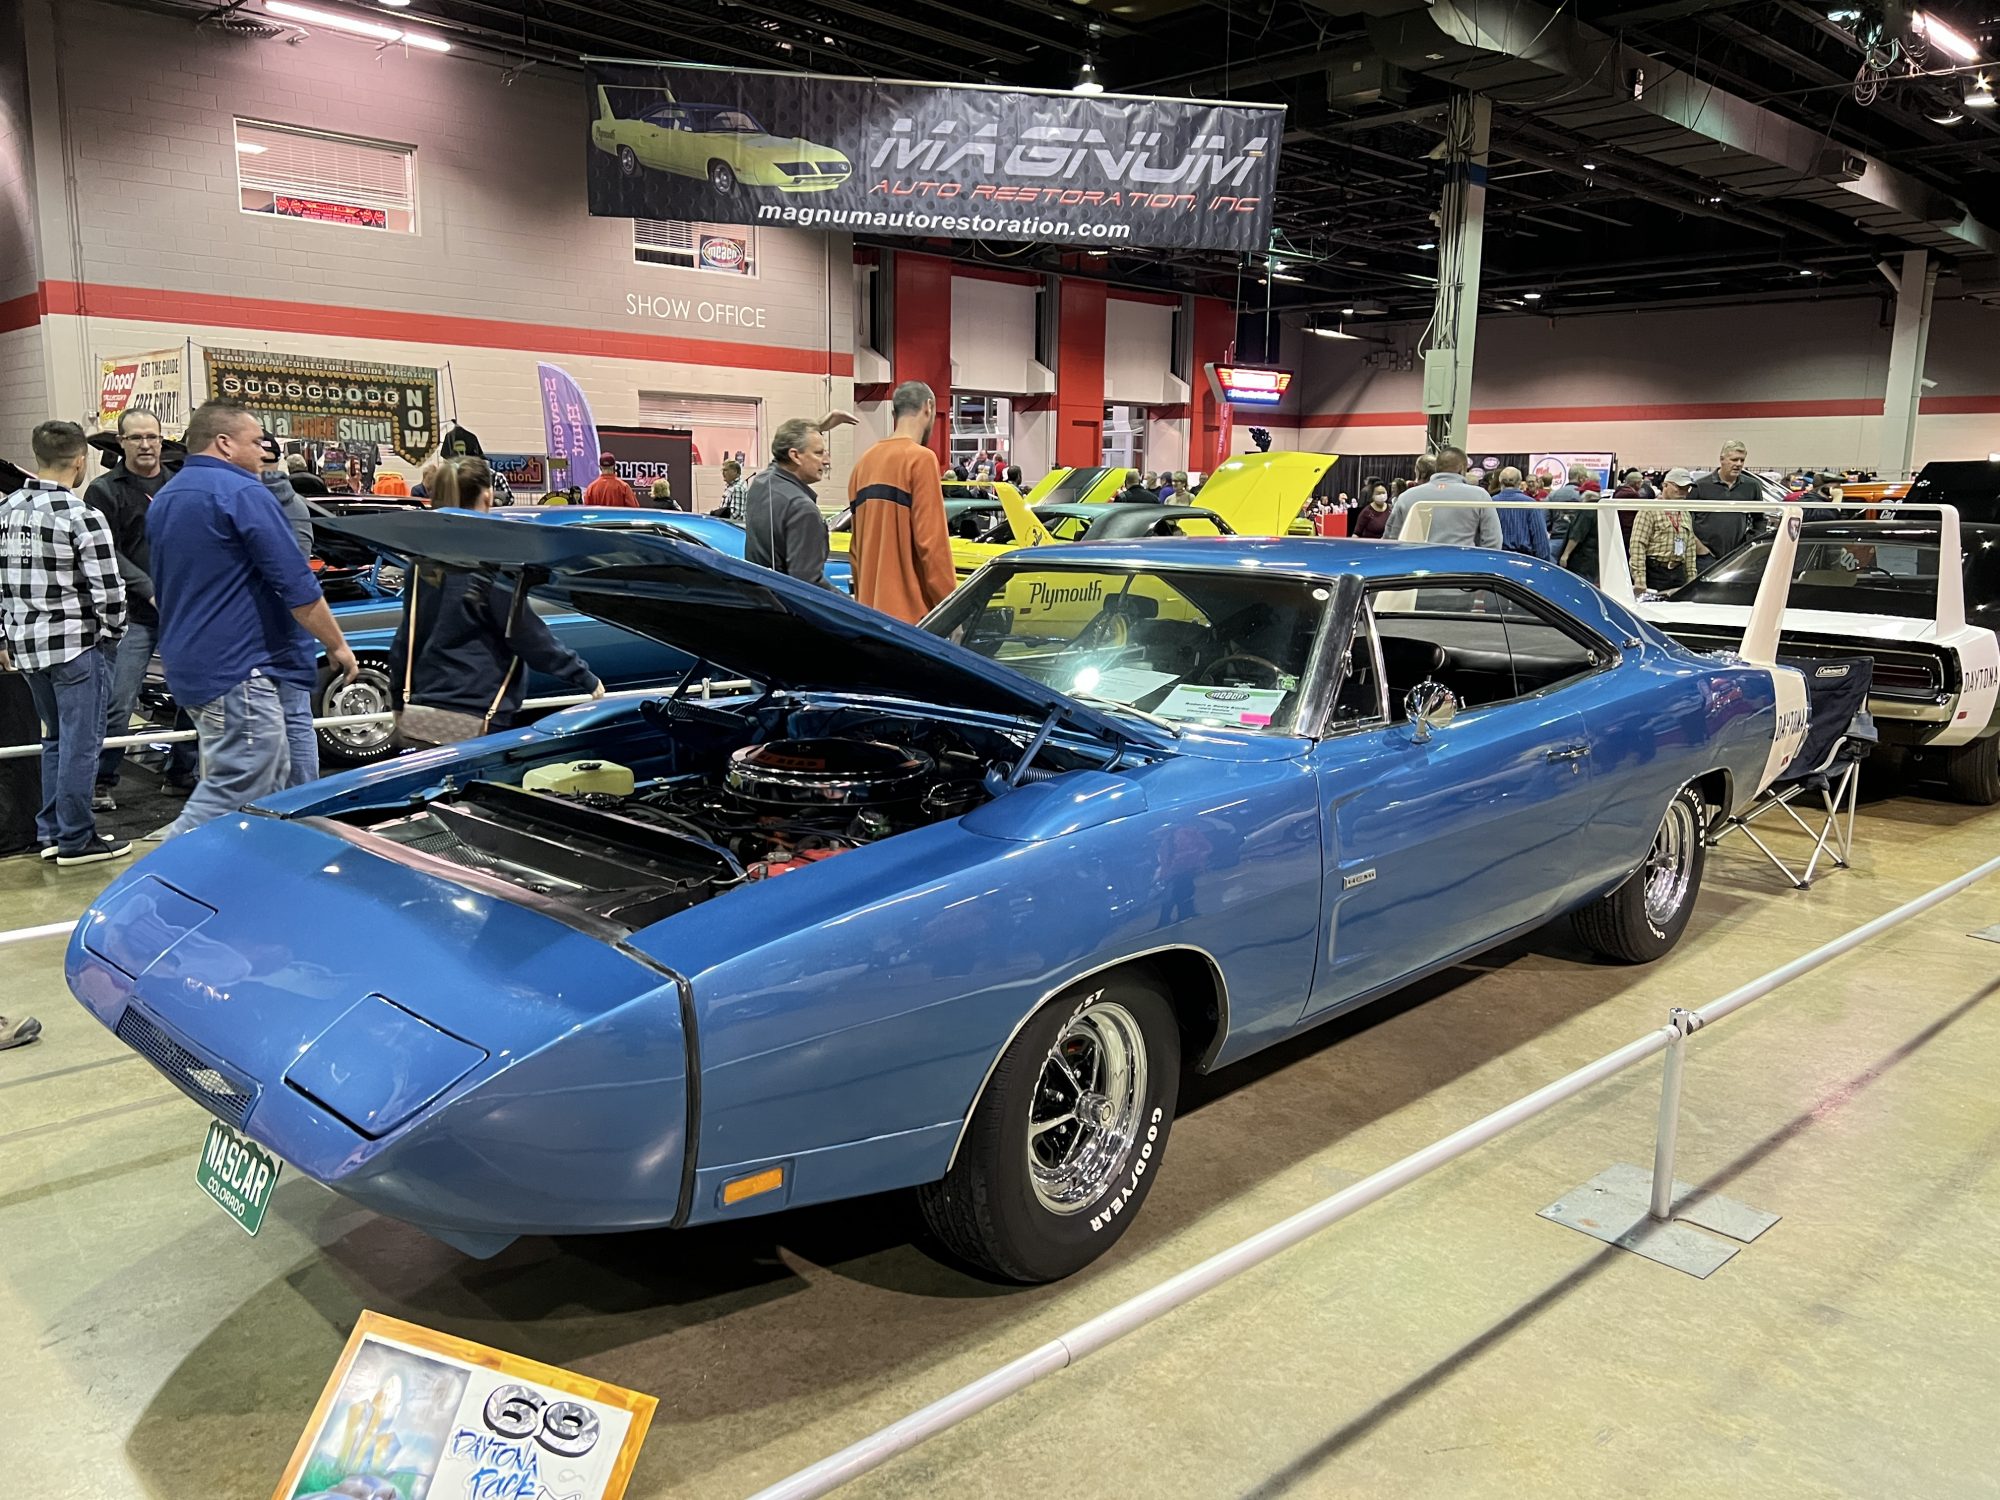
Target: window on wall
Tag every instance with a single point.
(1125, 437)
(290, 173)
(981, 431)
(729, 249)
(721, 428)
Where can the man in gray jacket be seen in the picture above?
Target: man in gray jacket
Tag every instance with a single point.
(780, 510)
(1453, 527)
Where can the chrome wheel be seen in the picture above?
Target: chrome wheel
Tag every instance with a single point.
(721, 178)
(1670, 866)
(367, 694)
(628, 161)
(1087, 1108)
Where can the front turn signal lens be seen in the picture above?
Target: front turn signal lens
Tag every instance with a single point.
(757, 1183)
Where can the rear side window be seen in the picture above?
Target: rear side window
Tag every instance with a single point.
(1486, 645)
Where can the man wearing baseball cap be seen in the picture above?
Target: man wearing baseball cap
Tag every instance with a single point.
(607, 488)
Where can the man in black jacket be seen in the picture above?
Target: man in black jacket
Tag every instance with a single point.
(780, 510)
(123, 496)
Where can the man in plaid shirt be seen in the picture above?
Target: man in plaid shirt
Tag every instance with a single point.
(734, 488)
(62, 609)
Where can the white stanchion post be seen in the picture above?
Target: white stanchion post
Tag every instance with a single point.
(1682, 1022)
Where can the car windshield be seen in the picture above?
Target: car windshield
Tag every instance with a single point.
(1074, 486)
(1890, 572)
(1185, 645)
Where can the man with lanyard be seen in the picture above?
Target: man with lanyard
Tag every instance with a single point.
(1664, 543)
(123, 497)
(781, 511)
(62, 609)
(1724, 531)
(234, 592)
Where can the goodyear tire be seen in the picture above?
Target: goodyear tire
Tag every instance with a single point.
(1065, 1142)
(1644, 917)
(1973, 771)
(359, 744)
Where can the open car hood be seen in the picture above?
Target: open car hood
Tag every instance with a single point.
(737, 616)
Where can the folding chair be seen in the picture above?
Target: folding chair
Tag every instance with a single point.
(1825, 776)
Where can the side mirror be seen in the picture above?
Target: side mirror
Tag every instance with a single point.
(1430, 705)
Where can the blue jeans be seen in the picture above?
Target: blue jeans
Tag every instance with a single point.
(70, 700)
(300, 734)
(245, 753)
(128, 676)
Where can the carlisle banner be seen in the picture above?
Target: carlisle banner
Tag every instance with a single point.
(730, 146)
(332, 401)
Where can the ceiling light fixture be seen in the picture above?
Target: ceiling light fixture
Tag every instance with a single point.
(1805, 270)
(1428, 245)
(1285, 276)
(1590, 166)
(1087, 81)
(1531, 296)
(1979, 93)
(1347, 312)
(1943, 37)
(374, 31)
(1334, 333)
(393, 4)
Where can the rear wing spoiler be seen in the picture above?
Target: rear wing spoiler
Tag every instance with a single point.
(1767, 612)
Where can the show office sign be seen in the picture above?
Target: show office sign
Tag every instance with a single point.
(412, 1412)
(332, 401)
(736, 146)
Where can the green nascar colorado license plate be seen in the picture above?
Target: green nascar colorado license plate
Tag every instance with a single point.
(238, 1174)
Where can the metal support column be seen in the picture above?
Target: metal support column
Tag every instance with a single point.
(1461, 242)
(1915, 284)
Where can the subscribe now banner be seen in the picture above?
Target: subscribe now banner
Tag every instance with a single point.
(332, 401)
(884, 157)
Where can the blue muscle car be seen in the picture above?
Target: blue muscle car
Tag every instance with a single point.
(368, 612)
(947, 908)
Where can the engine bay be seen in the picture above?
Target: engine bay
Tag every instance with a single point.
(730, 799)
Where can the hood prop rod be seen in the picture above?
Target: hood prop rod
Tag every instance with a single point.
(1035, 745)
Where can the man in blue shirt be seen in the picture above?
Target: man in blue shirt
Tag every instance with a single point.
(233, 593)
(1522, 530)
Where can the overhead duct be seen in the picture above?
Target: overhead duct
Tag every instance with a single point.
(1586, 82)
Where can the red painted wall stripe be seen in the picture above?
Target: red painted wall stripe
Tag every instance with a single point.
(154, 306)
(24, 311)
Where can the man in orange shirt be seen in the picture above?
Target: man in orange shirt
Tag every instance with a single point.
(607, 488)
(901, 548)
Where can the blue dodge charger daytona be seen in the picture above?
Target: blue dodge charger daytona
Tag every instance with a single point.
(947, 908)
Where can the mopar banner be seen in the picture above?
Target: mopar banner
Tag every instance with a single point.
(730, 146)
(156, 382)
(332, 401)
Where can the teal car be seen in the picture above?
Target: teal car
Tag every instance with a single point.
(718, 142)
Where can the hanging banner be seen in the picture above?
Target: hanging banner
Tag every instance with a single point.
(411, 1412)
(156, 382)
(351, 403)
(525, 473)
(567, 424)
(737, 146)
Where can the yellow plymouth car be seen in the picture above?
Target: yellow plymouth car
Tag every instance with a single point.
(719, 142)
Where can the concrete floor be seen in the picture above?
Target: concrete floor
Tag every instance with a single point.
(1445, 1343)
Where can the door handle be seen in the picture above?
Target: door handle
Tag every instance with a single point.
(1569, 752)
